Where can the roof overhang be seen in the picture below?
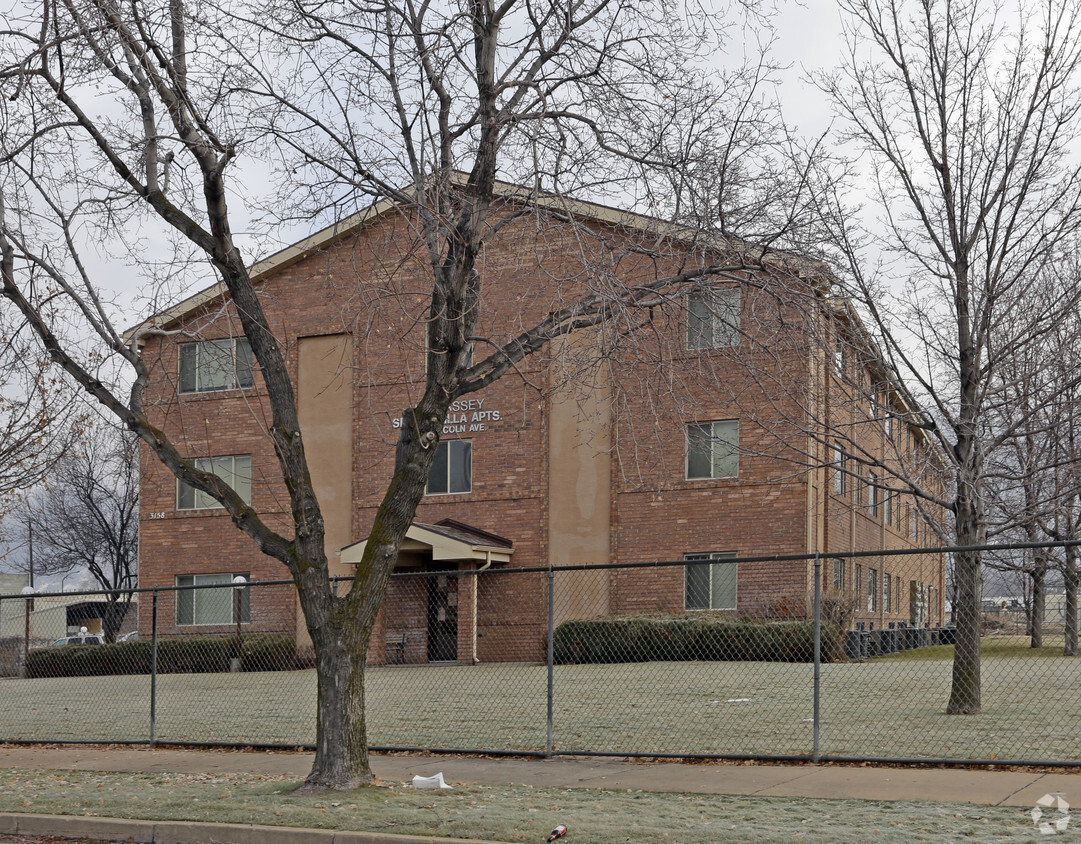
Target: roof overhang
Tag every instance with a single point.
(444, 546)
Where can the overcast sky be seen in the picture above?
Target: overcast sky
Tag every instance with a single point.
(806, 39)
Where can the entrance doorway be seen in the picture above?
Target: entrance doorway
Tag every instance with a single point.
(442, 618)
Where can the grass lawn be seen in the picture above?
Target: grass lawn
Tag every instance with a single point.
(506, 813)
(888, 707)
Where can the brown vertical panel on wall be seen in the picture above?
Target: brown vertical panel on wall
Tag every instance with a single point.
(579, 466)
(325, 405)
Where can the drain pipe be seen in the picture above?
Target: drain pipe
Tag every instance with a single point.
(476, 589)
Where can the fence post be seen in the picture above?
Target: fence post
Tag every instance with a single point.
(153, 666)
(551, 656)
(818, 653)
(26, 633)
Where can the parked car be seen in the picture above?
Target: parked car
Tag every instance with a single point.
(81, 639)
(133, 636)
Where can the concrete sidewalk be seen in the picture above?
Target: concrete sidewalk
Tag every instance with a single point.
(994, 788)
(987, 787)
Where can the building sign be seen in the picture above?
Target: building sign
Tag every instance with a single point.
(465, 416)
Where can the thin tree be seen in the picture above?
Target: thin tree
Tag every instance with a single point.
(86, 518)
(967, 113)
(40, 416)
(1061, 511)
(117, 116)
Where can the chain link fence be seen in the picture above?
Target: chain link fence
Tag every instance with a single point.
(841, 657)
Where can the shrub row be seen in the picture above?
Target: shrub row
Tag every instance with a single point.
(187, 655)
(645, 638)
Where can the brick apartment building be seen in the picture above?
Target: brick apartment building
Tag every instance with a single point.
(692, 444)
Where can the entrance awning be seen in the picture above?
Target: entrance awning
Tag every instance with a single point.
(447, 540)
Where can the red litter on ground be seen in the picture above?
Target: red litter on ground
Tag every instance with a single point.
(558, 832)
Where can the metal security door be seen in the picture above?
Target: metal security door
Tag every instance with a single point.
(443, 619)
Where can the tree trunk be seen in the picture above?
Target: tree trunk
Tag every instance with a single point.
(965, 691)
(341, 628)
(965, 694)
(1071, 577)
(1039, 593)
(112, 618)
(341, 743)
(969, 525)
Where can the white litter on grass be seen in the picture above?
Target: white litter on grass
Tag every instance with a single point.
(739, 700)
(430, 782)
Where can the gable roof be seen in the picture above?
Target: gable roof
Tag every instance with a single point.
(448, 540)
(552, 203)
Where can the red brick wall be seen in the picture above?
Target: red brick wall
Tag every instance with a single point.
(372, 286)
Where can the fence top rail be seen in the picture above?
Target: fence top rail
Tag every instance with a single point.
(766, 558)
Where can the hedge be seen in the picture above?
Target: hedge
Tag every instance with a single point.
(653, 637)
(185, 655)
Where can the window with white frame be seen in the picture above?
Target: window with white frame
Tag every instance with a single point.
(713, 318)
(887, 506)
(872, 494)
(713, 449)
(234, 469)
(872, 589)
(452, 469)
(858, 580)
(216, 603)
(838, 470)
(211, 365)
(887, 591)
(839, 574)
(710, 581)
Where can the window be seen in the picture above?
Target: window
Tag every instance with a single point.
(710, 585)
(887, 506)
(452, 470)
(210, 605)
(210, 365)
(839, 574)
(839, 358)
(713, 318)
(838, 470)
(887, 591)
(859, 581)
(872, 494)
(234, 469)
(872, 589)
(713, 450)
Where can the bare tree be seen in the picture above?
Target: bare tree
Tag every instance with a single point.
(1018, 473)
(1060, 517)
(40, 417)
(86, 518)
(119, 116)
(967, 117)
(1032, 474)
